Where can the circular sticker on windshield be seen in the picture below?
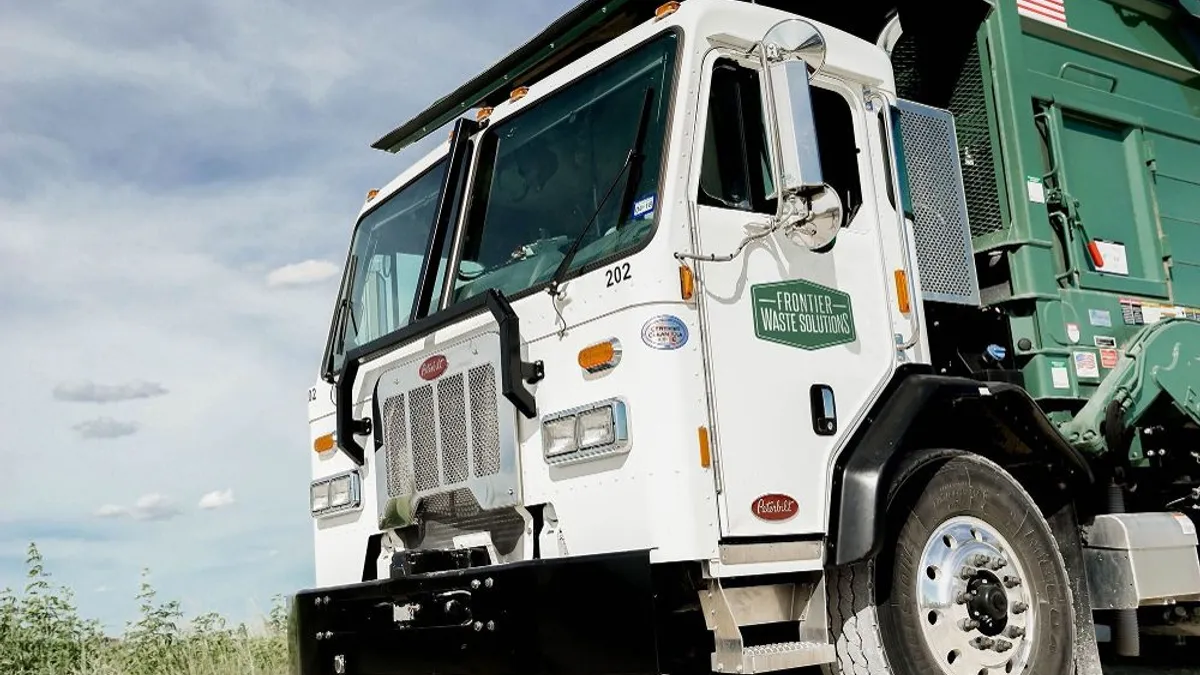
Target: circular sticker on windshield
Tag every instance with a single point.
(665, 332)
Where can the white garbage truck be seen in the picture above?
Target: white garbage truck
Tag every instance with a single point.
(745, 337)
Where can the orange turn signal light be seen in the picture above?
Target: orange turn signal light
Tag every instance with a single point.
(902, 298)
(687, 282)
(600, 356)
(323, 443)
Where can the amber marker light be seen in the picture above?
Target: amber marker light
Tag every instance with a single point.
(518, 93)
(483, 114)
(666, 10)
(687, 282)
(902, 298)
(705, 452)
(323, 443)
(601, 356)
(372, 194)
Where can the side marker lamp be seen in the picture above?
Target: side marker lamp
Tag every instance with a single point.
(601, 356)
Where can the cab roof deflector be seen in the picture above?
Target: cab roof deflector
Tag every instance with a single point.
(586, 26)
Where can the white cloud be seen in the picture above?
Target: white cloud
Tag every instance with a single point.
(148, 507)
(301, 273)
(89, 392)
(216, 499)
(162, 159)
(105, 428)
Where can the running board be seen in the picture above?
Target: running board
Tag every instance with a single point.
(728, 609)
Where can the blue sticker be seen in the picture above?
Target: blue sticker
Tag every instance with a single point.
(665, 332)
(1100, 317)
(643, 207)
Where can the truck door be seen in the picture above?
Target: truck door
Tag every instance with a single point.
(797, 343)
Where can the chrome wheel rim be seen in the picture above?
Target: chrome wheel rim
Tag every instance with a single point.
(973, 601)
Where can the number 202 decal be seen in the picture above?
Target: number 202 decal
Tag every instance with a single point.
(618, 274)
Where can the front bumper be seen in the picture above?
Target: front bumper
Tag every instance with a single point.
(586, 616)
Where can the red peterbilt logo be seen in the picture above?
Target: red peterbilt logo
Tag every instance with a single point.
(775, 507)
(433, 367)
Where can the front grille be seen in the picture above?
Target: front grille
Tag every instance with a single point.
(439, 435)
(452, 434)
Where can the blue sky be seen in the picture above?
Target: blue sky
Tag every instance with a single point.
(177, 186)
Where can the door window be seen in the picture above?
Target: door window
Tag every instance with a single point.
(735, 171)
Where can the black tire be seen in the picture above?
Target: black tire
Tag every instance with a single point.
(873, 606)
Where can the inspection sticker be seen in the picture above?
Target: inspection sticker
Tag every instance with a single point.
(643, 207)
(1059, 376)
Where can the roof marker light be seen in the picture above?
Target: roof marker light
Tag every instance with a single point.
(666, 10)
(518, 93)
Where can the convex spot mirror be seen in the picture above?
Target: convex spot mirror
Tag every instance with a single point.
(810, 211)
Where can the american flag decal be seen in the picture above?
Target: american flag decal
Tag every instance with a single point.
(1050, 11)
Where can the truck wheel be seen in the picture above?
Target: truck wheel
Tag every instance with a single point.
(970, 582)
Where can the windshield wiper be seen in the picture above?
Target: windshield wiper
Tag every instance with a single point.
(634, 155)
(346, 306)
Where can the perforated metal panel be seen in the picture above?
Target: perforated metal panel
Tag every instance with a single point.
(454, 434)
(942, 229)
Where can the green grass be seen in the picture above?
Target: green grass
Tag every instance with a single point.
(41, 633)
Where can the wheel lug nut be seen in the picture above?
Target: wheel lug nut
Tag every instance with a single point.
(1019, 607)
(966, 572)
(1003, 646)
(979, 560)
(998, 563)
(1014, 632)
(1011, 582)
(962, 598)
(968, 624)
(982, 643)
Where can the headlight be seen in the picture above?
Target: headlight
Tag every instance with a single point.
(558, 436)
(336, 494)
(588, 432)
(596, 427)
(320, 497)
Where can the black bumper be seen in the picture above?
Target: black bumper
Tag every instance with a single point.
(588, 616)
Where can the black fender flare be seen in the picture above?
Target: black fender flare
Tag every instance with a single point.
(920, 409)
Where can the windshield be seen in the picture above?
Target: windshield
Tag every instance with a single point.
(545, 171)
(389, 245)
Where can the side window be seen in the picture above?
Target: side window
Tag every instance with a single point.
(735, 171)
(839, 149)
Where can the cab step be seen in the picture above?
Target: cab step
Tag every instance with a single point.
(781, 656)
(797, 606)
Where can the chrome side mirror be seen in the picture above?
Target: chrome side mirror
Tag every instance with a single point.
(809, 210)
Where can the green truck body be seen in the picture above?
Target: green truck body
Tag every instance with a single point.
(1079, 143)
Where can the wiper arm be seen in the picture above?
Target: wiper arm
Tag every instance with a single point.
(346, 306)
(635, 155)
